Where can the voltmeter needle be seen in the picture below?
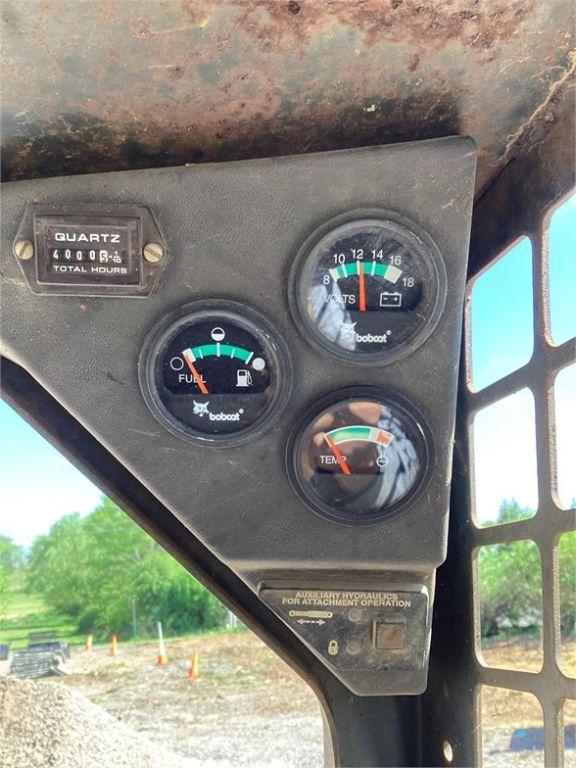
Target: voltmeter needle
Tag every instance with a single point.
(338, 456)
(361, 289)
(197, 378)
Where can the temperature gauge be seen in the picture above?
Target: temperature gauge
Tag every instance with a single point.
(215, 372)
(360, 456)
(368, 288)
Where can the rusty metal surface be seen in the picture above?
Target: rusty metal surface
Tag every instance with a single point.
(116, 84)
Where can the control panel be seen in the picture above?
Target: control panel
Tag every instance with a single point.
(286, 385)
(361, 632)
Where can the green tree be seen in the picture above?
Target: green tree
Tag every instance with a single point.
(509, 512)
(11, 559)
(166, 592)
(567, 567)
(510, 577)
(11, 554)
(110, 574)
(57, 565)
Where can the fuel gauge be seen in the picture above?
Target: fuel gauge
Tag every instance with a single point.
(215, 371)
(359, 456)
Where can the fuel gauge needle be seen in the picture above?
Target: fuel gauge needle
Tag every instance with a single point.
(338, 456)
(197, 378)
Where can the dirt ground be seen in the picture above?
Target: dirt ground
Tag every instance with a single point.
(512, 722)
(248, 708)
(526, 655)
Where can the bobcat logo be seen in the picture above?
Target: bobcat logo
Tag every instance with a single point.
(348, 329)
(200, 409)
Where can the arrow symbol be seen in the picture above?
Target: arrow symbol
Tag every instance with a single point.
(311, 621)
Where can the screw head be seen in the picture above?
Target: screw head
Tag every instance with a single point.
(153, 252)
(23, 250)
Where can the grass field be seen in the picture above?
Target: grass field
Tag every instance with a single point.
(22, 612)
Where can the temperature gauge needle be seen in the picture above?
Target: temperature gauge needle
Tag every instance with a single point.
(338, 456)
(361, 288)
(197, 378)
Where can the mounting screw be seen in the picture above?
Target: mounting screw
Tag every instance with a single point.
(153, 252)
(23, 250)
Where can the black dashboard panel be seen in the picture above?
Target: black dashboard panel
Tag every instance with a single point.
(233, 232)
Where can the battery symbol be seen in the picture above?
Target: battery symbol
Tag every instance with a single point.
(393, 299)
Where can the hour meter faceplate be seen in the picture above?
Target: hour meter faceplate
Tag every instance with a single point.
(89, 249)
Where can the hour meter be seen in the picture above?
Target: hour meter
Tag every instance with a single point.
(90, 249)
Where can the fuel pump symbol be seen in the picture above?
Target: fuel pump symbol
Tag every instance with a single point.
(243, 378)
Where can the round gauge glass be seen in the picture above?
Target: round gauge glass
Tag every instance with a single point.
(360, 457)
(368, 287)
(215, 372)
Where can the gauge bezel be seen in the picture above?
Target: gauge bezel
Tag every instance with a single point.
(407, 230)
(408, 410)
(235, 312)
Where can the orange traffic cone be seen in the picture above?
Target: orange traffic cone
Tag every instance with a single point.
(161, 658)
(113, 646)
(193, 667)
(88, 644)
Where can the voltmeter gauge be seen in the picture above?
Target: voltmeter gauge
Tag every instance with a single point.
(360, 456)
(368, 287)
(215, 372)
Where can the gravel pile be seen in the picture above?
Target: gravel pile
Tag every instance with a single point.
(49, 726)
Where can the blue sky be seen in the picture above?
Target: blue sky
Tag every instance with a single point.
(38, 485)
(501, 320)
